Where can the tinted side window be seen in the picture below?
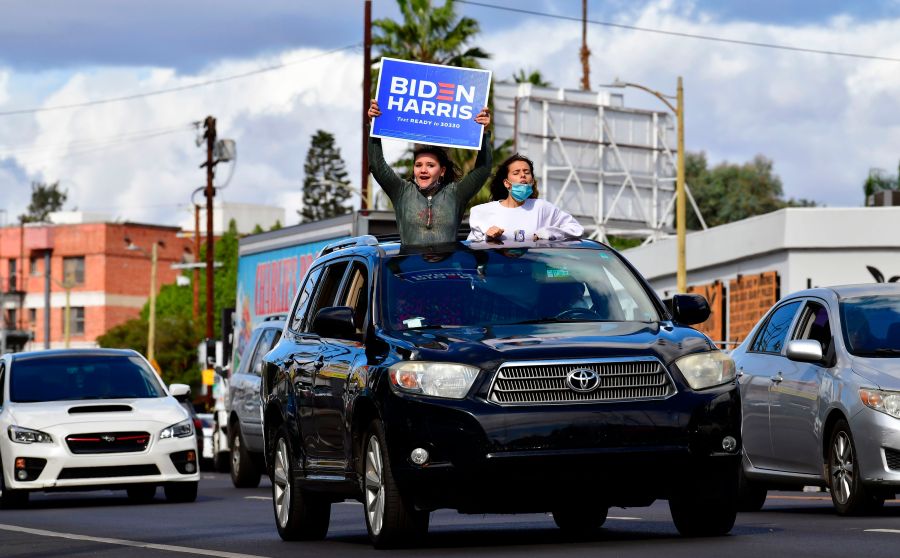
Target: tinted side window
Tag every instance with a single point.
(303, 299)
(356, 294)
(814, 324)
(2, 374)
(266, 342)
(770, 338)
(326, 290)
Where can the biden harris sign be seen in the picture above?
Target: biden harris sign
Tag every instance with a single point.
(429, 103)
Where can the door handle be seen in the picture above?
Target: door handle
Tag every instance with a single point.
(777, 379)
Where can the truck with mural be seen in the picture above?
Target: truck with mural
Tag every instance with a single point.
(271, 266)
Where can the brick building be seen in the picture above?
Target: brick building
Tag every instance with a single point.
(108, 281)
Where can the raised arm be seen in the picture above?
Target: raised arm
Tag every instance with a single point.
(389, 181)
(472, 183)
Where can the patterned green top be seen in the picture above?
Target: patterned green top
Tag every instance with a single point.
(412, 207)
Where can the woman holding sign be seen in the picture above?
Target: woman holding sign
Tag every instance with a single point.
(429, 209)
(517, 213)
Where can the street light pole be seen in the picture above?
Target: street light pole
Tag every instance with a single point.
(151, 330)
(680, 194)
(210, 124)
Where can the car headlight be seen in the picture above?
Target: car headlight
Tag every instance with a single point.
(439, 379)
(28, 436)
(181, 429)
(885, 401)
(705, 370)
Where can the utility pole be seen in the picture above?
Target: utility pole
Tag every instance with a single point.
(585, 51)
(210, 134)
(367, 91)
(196, 271)
(151, 329)
(680, 202)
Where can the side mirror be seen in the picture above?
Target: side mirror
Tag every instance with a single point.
(335, 322)
(690, 309)
(180, 392)
(805, 350)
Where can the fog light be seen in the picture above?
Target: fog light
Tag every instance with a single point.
(189, 467)
(729, 444)
(22, 474)
(419, 456)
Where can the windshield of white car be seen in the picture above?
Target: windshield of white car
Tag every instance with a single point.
(478, 288)
(871, 325)
(72, 378)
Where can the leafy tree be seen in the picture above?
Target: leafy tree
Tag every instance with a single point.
(45, 199)
(730, 192)
(326, 186)
(534, 77)
(879, 181)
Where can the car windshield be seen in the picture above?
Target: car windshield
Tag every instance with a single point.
(511, 286)
(68, 378)
(872, 325)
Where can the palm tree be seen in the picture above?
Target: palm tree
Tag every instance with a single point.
(534, 77)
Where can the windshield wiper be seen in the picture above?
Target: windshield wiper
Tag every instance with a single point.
(886, 351)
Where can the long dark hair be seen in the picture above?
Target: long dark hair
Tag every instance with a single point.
(451, 173)
(499, 192)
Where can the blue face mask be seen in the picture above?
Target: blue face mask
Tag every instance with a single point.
(520, 192)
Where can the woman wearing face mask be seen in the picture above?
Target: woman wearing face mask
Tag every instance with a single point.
(430, 209)
(516, 213)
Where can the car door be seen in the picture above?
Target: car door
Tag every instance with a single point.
(245, 401)
(320, 459)
(760, 368)
(340, 357)
(795, 400)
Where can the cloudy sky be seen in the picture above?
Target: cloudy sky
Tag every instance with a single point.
(274, 71)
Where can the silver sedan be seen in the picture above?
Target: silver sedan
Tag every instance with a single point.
(820, 397)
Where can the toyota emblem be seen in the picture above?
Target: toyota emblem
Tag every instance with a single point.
(583, 380)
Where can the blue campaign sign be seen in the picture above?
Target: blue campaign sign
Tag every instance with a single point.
(430, 103)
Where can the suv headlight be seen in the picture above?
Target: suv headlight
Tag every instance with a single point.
(181, 429)
(705, 370)
(28, 436)
(887, 402)
(439, 379)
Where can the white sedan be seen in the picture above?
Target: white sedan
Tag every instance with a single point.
(92, 418)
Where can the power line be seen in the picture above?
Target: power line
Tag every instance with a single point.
(178, 88)
(134, 135)
(685, 35)
(39, 158)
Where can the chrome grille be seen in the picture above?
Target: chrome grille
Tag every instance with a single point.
(532, 383)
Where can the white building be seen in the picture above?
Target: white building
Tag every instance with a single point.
(245, 215)
(803, 247)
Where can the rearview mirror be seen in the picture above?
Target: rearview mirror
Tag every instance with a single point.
(335, 322)
(180, 392)
(690, 309)
(804, 350)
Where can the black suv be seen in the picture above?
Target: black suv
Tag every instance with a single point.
(532, 377)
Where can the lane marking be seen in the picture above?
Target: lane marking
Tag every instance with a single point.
(625, 518)
(123, 542)
(258, 498)
(895, 531)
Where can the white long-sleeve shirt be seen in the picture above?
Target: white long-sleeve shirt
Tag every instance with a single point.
(535, 216)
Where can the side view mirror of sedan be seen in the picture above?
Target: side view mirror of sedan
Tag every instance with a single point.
(180, 391)
(335, 322)
(689, 309)
(805, 350)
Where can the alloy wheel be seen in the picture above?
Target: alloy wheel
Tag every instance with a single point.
(236, 454)
(374, 485)
(842, 464)
(281, 479)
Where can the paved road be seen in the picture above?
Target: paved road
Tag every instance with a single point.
(226, 522)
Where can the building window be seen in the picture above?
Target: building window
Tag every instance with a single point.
(11, 322)
(12, 284)
(33, 266)
(73, 270)
(76, 320)
(32, 317)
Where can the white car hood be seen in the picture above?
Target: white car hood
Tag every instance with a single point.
(153, 413)
(883, 372)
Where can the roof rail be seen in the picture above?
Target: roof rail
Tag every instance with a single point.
(365, 240)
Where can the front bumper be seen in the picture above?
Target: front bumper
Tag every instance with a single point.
(162, 461)
(489, 458)
(876, 436)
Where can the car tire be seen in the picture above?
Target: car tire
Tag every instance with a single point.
(580, 521)
(244, 472)
(12, 499)
(751, 495)
(706, 509)
(299, 515)
(141, 493)
(181, 492)
(848, 494)
(391, 521)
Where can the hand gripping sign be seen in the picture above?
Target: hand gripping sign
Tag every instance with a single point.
(430, 103)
